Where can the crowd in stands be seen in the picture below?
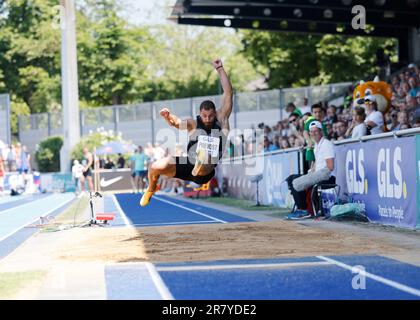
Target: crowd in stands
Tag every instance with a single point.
(343, 121)
(14, 158)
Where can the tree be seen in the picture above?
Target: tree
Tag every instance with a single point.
(290, 59)
(181, 61)
(111, 56)
(30, 52)
(48, 154)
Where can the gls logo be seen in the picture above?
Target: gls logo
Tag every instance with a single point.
(355, 172)
(390, 163)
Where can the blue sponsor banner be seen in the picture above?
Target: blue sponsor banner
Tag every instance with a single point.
(273, 187)
(381, 175)
(274, 168)
(418, 178)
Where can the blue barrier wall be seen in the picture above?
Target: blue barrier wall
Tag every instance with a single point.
(381, 175)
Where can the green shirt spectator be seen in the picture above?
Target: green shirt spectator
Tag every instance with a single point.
(309, 154)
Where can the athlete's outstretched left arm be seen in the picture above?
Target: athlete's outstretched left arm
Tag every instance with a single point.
(227, 97)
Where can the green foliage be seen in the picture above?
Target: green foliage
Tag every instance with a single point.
(30, 49)
(94, 140)
(291, 60)
(181, 61)
(48, 154)
(17, 108)
(118, 63)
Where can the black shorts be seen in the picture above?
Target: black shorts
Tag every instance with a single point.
(87, 173)
(184, 169)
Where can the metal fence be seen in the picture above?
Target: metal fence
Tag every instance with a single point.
(141, 122)
(5, 133)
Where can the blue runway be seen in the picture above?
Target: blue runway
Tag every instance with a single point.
(164, 211)
(311, 278)
(17, 215)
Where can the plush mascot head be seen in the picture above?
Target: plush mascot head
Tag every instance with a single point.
(380, 89)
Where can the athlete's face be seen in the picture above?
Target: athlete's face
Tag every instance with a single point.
(208, 117)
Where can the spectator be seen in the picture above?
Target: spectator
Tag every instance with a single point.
(109, 164)
(357, 128)
(412, 69)
(120, 161)
(405, 87)
(341, 130)
(330, 133)
(293, 123)
(331, 115)
(394, 121)
(416, 118)
(317, 115)
(418, 100)
(298, 143)
(292, 109)
(414, 86)
(139, 166)
(398, 98)
(324, 158)
(268, 146)
(23, 160)
(77, 172)
(11, 159)
(268, 132)
(305, 107)
(276, 142)
(411, 103)
(291, 140)
(101, 162)
(284, 144)
(402, 120)
(374, 119)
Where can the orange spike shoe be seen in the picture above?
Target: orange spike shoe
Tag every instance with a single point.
(145, 199)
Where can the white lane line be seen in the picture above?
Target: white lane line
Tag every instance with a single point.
(121, 211)
(244, 266)
(157, 280)
(36, 219)
(25, 204)
(171, 223)
(191, 210)
(388, 282)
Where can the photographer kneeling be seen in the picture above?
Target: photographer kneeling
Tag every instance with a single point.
(321, 172)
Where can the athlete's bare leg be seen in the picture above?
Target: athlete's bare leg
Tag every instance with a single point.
(90, 183)
(203, 165)
(82, 183)
(161, 167)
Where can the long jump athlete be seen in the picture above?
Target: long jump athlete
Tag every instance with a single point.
(207, 136)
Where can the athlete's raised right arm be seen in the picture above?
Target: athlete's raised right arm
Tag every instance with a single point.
(174, 121)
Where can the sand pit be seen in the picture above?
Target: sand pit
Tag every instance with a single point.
(212, 242)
